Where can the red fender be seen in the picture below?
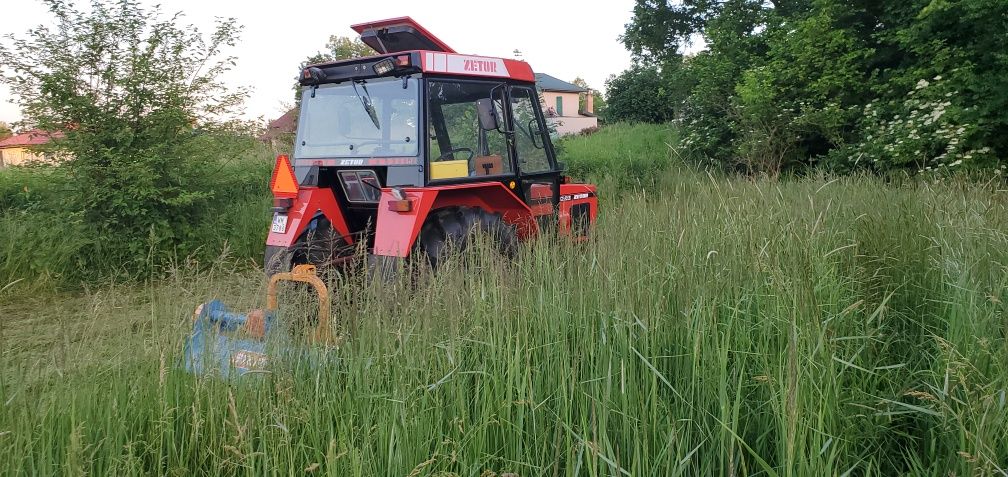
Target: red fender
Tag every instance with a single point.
(396, 232)
(574, 194)
(310, 201)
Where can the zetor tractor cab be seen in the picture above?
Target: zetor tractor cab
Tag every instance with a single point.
(415, 148)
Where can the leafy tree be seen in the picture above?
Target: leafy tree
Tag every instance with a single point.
(786, 84)
(137, 95)
(659, 30)
(345, 48)
(796, 102)
(5, 131)
(638, 94)
(336, 49)
(599, 102)
(580, 82)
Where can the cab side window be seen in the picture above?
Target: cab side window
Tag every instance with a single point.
(529, 141)
(459, 147)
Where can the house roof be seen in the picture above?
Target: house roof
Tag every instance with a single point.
(35, 137)
(286, 124)
(550, 83)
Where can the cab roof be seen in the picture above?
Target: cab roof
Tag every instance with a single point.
(395, 37)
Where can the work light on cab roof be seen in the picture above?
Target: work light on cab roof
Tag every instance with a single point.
(405, 155)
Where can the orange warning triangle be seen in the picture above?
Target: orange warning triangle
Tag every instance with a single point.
(284, 182)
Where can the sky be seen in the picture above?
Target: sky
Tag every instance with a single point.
(565, 39)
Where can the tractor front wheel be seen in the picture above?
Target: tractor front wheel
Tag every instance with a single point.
(451, 230)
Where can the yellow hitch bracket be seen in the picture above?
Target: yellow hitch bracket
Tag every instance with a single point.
(305, 274)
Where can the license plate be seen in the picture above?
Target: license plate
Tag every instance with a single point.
(279, 224)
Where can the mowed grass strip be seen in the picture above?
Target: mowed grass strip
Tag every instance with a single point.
(712, 326)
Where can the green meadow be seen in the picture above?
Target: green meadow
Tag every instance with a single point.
(712, 325)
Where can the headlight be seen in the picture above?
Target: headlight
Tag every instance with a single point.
(384, 67)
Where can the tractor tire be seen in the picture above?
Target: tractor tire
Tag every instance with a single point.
(276, 259)
(449, 231)
(384, 269)
(319, 246)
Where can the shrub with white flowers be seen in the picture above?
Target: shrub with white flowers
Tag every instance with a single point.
(925, 130)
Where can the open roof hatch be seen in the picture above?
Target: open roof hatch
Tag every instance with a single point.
(399, 34)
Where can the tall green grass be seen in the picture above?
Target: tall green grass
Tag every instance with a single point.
(711, 326)
(623, 155)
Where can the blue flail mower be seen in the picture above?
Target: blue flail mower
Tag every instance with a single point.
(224, 342)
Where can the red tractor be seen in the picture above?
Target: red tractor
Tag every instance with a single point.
(415, 148)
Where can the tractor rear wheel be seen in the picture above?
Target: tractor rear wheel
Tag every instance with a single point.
(452, 229)
(319, 246)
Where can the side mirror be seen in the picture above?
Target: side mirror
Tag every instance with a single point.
(561, 166)
(487, 114)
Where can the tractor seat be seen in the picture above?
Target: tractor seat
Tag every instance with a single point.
(488, 165)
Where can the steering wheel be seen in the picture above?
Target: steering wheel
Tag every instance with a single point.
(445, 154)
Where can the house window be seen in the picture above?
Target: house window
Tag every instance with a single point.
(559, 105)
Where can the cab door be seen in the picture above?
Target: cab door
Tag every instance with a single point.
(538, 175)
(459, 149)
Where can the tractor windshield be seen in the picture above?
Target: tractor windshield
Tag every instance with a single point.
(376, 118)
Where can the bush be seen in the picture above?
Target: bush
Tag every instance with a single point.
(45, 246)
(926, 131)
(637, 95)
(791, 85)
(139, 100)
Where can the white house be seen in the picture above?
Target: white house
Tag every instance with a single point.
(561, 102)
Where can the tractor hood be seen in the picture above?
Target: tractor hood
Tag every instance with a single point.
(399, 34)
